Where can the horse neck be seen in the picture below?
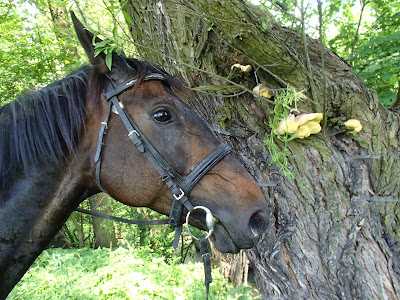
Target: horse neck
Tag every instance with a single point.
(32, 210)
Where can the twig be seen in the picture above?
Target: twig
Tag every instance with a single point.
(321, 41)
(305, 49)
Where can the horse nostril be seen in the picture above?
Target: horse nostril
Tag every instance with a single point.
(257, 224)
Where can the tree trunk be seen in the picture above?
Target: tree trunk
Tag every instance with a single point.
(337, 223)
(79, 230)
(232, 266)
(104, 231)
(60, 16)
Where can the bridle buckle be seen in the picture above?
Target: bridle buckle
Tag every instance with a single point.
(133, 132)
(180, 196)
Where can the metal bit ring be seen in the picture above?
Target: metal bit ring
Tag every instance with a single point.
(210, 221)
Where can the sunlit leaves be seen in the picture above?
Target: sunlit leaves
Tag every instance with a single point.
(31, 56)
(107, 48)
(363, 32)
(119, 274)
(378, 63)
(374, 52)
(127, 17)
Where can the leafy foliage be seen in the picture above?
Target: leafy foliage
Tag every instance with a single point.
(285, 103)
(368, 39)
(378, 64)
(363, 32)
(107, 47)
(31, 55)
(119, 274)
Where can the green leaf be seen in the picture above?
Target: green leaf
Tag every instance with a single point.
(127, 17)
(109, 60)
(97, 51)
(101, 44)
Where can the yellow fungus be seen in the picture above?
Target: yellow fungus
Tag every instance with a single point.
(246, 68)
(288, 125)
(301, 126)
(235, 66)
(353, 126)
(314, 127)
(302, 132)
(304, 118)
(243, 68)
(262, 91)
(305, 130)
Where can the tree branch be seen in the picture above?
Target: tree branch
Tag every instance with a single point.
(396, 105)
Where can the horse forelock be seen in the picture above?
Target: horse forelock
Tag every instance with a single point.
(42, 126)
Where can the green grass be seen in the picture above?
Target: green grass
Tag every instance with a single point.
(119, 274)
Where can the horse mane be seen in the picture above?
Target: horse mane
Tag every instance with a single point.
(44, 126)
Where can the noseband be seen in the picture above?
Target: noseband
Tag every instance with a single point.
(179, 186)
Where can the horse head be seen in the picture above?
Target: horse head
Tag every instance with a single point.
(179, 136)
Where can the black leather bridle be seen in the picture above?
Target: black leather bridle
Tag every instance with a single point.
(179, 186)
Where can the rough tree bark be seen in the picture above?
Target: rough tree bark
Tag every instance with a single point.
(337, 224)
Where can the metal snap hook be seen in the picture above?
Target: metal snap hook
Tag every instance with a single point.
(210, 221)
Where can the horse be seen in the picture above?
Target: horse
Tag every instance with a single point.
(70, 140)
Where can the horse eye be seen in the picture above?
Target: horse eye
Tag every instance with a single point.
(162, 116)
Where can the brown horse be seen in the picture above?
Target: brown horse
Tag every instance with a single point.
(49, 141)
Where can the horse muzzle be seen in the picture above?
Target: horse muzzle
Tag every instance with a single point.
(229, 235)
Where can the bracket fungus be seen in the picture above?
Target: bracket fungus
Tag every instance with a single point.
(353, 126)
(244, 69)
(263, 91)
(301, 126)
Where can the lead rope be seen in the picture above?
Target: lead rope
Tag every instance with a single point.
(204, 250)
(206, 257)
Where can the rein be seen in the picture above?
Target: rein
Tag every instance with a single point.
(179, 186)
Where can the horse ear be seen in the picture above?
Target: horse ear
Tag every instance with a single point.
(99, 61)
(85, 37)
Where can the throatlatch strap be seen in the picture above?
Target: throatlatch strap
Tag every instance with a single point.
(206, 257)
(100, 145)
